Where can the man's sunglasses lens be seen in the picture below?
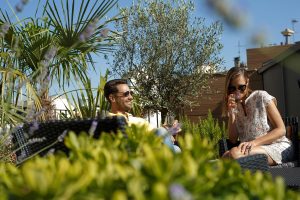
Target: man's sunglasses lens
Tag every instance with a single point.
(126, 94)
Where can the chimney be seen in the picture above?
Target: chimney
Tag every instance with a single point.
(237, 61)
(287, 33)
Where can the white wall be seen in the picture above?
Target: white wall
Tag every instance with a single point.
(154, 118)
(61, 105)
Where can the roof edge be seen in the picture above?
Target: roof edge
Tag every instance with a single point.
(268, 64)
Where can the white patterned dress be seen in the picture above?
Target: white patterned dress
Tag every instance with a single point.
(256, 124)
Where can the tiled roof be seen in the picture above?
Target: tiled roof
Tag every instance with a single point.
(257, 56)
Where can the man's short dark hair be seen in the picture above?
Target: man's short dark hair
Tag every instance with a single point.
(110, 87)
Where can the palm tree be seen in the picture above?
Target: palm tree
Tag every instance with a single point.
(57, 46)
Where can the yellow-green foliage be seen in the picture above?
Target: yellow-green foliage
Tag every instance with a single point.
(137, 166)
(208, 128)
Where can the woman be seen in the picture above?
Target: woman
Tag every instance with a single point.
(254, 120)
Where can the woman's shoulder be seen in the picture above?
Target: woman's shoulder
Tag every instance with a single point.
(259, 93)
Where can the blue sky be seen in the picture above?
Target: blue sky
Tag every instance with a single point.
(269, 17)
(265, 16)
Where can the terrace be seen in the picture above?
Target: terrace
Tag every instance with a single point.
(70, 150)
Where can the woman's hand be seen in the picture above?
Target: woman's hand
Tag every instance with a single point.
(245, 147)
(231, 105)
(231, 102)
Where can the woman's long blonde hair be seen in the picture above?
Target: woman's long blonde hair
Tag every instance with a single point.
(232, 74)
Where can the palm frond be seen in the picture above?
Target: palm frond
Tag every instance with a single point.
(13, 102)
(69, 30)
(88, 102)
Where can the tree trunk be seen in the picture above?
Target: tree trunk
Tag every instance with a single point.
(47, 106)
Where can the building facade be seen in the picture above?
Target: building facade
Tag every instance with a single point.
(281, 78)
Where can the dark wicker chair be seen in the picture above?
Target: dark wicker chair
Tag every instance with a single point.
(290, 171)
(252, 162)
(31, 139)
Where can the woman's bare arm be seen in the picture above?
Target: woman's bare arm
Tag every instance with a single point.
(232, 131)
(277, 123)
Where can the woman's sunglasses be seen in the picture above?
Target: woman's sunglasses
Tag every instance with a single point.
(241, 88)
(126, 94)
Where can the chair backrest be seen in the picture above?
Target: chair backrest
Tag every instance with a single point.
(292, 133)
(20, 143)
(44, 137)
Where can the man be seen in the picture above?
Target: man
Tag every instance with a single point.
(120, 98)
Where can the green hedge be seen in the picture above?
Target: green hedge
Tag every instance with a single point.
(208, 128)
(138, 166)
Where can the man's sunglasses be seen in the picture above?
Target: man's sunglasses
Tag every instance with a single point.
(241, 88)
(126, 94)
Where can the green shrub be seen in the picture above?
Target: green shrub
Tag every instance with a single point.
(208, 128)
(138, 166)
